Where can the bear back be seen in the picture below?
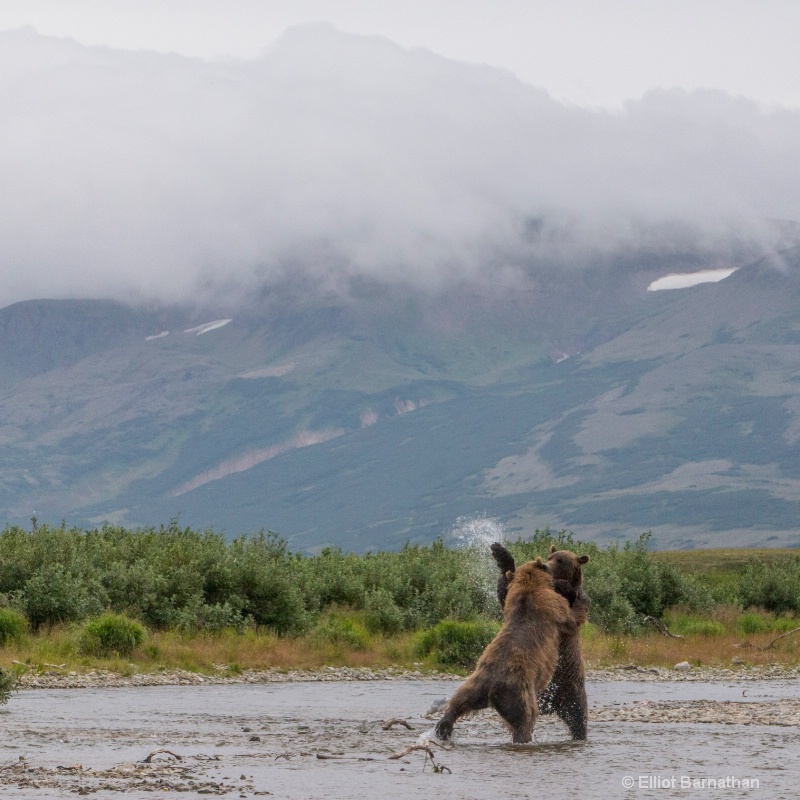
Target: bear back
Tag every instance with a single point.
(531, 589)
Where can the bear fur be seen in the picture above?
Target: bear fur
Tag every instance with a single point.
(565, 696)
(519, 662)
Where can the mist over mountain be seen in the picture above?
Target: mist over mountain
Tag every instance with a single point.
(352, 292)
(141, 176)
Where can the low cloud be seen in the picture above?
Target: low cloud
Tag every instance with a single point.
(143, 176)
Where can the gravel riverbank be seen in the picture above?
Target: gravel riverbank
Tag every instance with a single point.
(784, 712)
(56, 678)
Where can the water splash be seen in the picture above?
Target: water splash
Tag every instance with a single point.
(476, 534)
(430, 737)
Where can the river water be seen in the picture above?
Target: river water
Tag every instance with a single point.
(326, 740)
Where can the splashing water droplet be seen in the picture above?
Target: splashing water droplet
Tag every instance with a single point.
(476, 534)
(426, 737)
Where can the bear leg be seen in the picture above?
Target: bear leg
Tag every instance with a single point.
(565, 695)
(472, 696)
(518, 714)
(566, 698)
(572, 708)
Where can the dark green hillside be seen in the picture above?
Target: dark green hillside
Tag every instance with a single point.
(583, 402)
(41, 335)
(406, 479)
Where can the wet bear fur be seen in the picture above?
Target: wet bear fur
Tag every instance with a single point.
(520, 661)
(566, 694)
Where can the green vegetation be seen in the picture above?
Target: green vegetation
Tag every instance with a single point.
(625, 583)
(177, 597)
(196, 582)
(342, 631)
(767, 578)
(111, 634)
(456, 644)
(8, 683)
(13, 626)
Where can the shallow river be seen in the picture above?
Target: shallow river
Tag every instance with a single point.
(326, 740)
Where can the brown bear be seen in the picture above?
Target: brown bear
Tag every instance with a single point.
(519, 662)
(566, 694)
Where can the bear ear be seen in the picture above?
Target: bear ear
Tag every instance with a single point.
(553, 548)
(583, 559)
(539, 564)
(510, 575)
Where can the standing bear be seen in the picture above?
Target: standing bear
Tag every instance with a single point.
(519, 662)
(566, 694)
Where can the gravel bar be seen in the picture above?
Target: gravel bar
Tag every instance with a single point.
(56, 678)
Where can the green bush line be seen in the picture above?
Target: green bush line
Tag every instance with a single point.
(174, 577)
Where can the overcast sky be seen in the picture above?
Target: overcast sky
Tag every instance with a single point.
(251, 153)
(598, 52)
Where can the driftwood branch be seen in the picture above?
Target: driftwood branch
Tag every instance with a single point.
(332, 756)
(767, 646)
(778, 638)
(161, 750)
(410, 749)
(426, 748)
(390, 723)
(659, 625)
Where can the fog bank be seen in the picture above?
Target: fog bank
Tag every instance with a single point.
(138, 175)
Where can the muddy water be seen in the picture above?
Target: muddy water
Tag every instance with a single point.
(326, 740)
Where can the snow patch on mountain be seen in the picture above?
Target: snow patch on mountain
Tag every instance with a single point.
(687, 279)
(208, 326)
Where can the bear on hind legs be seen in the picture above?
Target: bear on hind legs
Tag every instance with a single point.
(520, 661)
(565, 696)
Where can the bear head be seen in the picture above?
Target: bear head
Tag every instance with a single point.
(566, 566)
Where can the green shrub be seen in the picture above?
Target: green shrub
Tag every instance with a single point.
(53, 594)
(198, 581)
(140, 589)
(8, 684)
(337, 578)
(611, 610)
(753, 623)
(381, 613)
(774, 587)
(625, 583)
(649, 586)
(457, 643)
(785, 624)
(690, 625)
(200, 616)
(272, 583)
(432, 583)
(13, 626)
(342, 630)
(111, 634)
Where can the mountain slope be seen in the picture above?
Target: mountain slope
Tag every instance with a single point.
(369, 420)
